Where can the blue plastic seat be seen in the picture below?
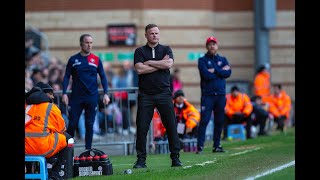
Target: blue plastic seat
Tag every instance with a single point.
(43, 174)
(236, 131)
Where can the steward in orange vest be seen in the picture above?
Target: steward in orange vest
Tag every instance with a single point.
(261, 83)
(44, 127)
(188, 117)
(280, 106)
(238, 110)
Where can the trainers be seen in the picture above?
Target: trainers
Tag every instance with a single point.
(140, 164)
(218, 149)
(175, 160)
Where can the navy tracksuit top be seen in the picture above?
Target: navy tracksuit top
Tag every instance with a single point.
(213, 83)
(84, 70)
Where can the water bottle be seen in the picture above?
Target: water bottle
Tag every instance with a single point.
(195, 145)
(107, 166)
(76, 166)
(68, 159)
(82, 159)
(89, 158)
(185, 146)
(96, 158)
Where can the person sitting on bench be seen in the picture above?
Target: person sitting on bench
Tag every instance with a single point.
(45, 130)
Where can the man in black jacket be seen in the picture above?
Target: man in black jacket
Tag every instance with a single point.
(152, 63)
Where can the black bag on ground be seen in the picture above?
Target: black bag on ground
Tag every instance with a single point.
(92, 162)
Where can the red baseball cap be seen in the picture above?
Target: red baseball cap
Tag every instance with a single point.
(211, 38)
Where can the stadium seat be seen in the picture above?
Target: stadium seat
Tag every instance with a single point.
(236, 131)
(39, 163)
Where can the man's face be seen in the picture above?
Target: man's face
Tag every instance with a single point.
(179, 100)
(50, 95)
(86, 45)
(259, 101)
(235, 93)
(152, 35)
(212, 47)
(276, 90)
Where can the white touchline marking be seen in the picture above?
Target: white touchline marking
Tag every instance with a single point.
(186, 167)
(210, 162)
(207, 162)
(272, 170)
(201, 164)
(246, 151)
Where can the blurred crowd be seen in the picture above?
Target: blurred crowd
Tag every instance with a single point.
(111, 118)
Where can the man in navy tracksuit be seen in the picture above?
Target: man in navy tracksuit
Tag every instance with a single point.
(84, 67)
(213, 69)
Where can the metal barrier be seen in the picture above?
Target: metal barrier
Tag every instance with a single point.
(117, 124)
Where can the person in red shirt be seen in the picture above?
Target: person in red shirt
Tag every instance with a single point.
(159, 131)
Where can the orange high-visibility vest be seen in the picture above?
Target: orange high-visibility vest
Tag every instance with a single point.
(44, 128)
(241, 103)
(280, 105)
(261, 84)
(190, 114)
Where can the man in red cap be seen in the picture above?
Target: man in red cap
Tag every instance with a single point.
(213, 69)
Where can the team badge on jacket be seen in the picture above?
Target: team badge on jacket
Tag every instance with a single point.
(93, 60)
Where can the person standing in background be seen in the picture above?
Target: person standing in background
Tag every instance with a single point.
(176, 83)
(152, 63)
(84, 67)
(261, 83)
(213, 69)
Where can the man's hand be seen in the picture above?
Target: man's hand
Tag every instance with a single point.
(211, 70)
(226, 67)
(166, 57)
(65, 99)
(188, 130)
(106, 99)
(165, 63)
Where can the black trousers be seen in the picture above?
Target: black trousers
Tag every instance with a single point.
(260, 119)
(163, 103)
(280, 122)
(89, 106)
(58, 158)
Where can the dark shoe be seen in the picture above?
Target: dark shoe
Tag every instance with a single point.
(199, 150)
(140, 164)
(175, 161)
(218, 149)
(54, 175)
(263, 133)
